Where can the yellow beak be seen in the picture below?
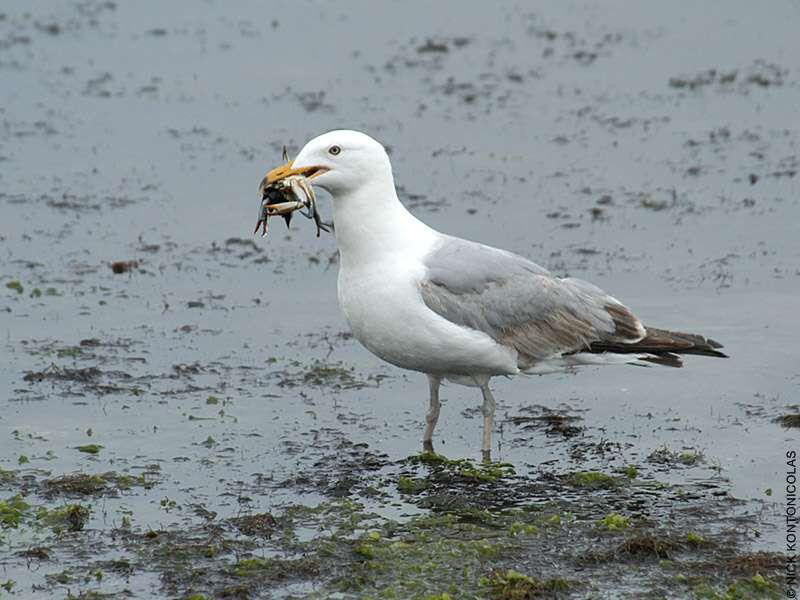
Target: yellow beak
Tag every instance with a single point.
(287, 170)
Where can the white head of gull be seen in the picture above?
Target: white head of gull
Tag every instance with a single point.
(455, 309)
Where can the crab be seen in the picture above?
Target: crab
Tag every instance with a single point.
(285, 196)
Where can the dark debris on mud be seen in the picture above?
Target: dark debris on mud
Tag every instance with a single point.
(759, 74)
(77, 381)
(460, 529)
(553, 422)
(334, 376)
(789, 420)
(488, 532)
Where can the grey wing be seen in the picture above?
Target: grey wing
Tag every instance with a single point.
(520, 304)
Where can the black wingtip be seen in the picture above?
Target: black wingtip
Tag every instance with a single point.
(663, 346)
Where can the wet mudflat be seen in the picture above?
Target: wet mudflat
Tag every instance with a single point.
(184, 414)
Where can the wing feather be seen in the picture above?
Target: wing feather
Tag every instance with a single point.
(520, 304)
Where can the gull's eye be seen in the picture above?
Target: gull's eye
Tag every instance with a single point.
(334, 150)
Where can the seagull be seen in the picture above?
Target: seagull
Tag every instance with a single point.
(455, 309)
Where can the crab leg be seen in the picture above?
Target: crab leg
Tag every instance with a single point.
(282, 208)
(261, 222)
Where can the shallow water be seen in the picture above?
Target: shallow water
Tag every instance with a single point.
(651, 150)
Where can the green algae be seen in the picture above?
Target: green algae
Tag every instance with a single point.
(275, 568)
(631, 472)
(554, 520)
(691, 458)
(7, 476)
(71, 517)
(665, 456)
(69, 352)
(89, 448)
(518, 528)
(427, 556)
(593, 480)
(12, 511)
(512, 585)
(256, 525)
(420, 559)
(411, 485)
(473, 550)
(16, 286)
(756, 587)
(15, 512)
(462, 467)
(84, 484)
(336, 376)
(695, 539)
(647, 545)
(614, 522)
(788, 421)
(79, 483)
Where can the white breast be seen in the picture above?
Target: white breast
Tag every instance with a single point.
(383, 305)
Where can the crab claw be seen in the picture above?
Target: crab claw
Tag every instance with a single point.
(263, 224)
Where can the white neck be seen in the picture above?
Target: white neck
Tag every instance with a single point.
(371, 222)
